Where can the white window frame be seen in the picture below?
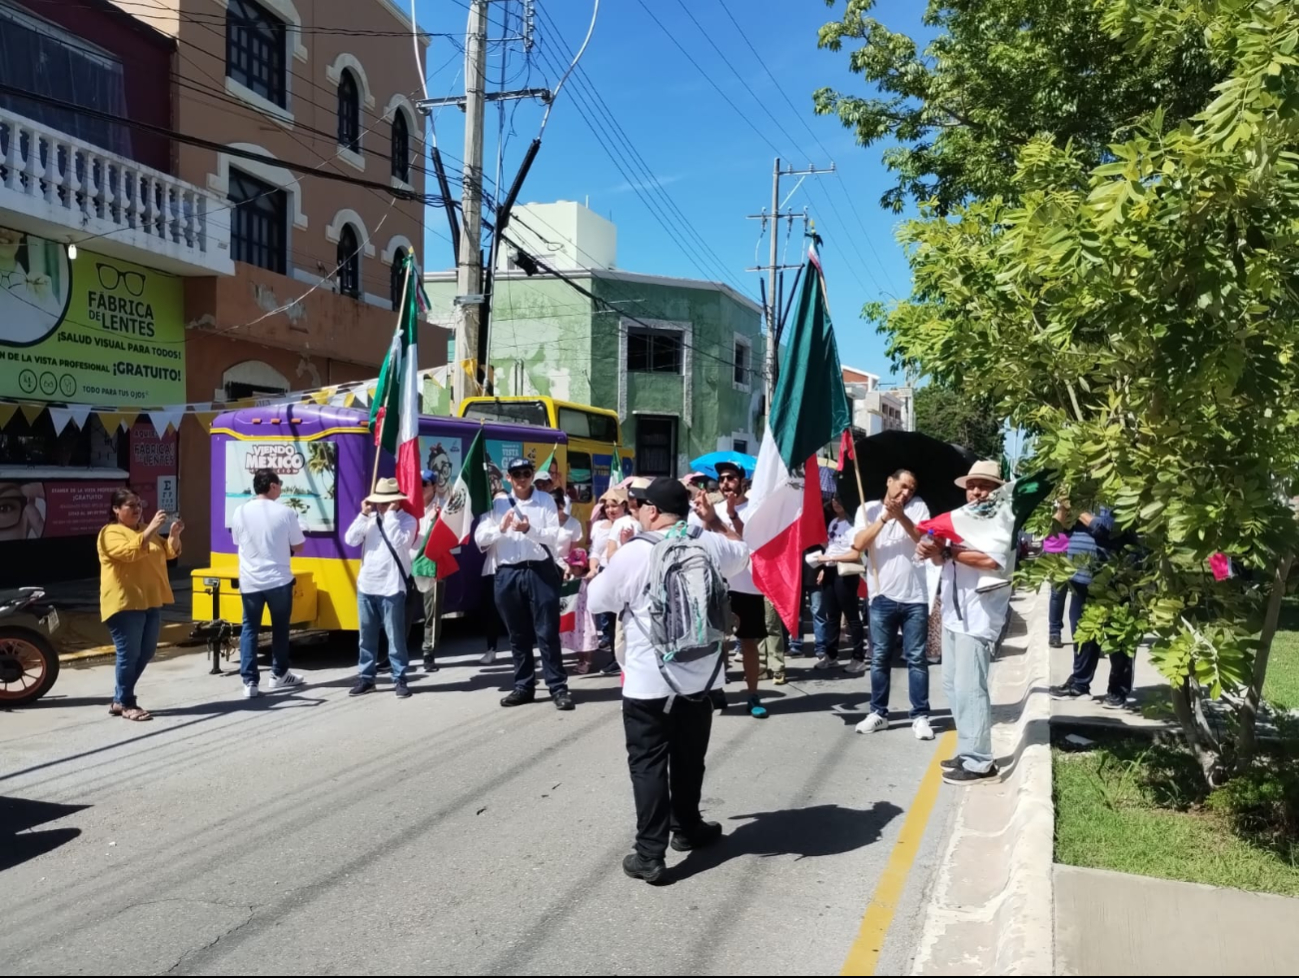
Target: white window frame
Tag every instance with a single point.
(414, 131)
(287, 12)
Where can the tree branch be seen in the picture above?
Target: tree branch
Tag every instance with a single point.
(1248, 739)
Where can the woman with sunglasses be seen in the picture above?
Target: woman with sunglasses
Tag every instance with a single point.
(133, 587)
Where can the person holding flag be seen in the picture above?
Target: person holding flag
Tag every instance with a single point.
(430, 585)
(394, 412)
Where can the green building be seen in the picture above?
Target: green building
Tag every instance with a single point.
(679, 360)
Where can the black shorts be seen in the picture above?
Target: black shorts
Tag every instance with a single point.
(750, 611)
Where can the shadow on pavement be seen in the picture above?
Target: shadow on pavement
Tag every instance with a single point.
(17, 815)
(822, 830)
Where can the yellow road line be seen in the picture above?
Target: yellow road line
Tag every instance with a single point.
(864, 954)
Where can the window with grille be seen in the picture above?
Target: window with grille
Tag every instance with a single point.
(654, 351)
(397, 278)
(349, 112)
(743, 366)
(258, 222)
(256, 45)
(349, 263)
(400, 147)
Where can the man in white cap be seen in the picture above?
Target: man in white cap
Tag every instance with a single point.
(523, 534)
(385, 533)
(974, 610)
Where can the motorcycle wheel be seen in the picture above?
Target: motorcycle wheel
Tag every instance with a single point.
(29, 664)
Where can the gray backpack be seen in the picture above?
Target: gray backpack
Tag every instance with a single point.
(688, 608)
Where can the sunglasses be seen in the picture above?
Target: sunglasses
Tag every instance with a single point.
(522, 474)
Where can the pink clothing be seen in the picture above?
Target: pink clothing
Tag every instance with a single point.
(1057, 543)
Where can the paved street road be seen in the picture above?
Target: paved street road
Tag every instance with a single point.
(310, 834)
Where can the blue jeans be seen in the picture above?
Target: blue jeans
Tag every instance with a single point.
(382, 613)
(528, 598)
(280, 602)
(885, 618)
(135, 635)
(1055, 625)
(818, 626)
(965, 678)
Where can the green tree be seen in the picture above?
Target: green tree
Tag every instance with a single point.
(1140, 316)
(953, 417)
(998, 75)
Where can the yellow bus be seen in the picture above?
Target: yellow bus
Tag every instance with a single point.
(596, 455)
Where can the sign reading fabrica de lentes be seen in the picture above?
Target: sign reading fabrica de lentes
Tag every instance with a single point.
(97, 330)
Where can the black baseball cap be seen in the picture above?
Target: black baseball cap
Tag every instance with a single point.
(519, 464)
(666, 494)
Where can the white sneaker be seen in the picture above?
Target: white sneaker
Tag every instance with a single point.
(921, 728)
(873, 724)
(251, 692)
(489, 658)
(287, 680)
(857, 667)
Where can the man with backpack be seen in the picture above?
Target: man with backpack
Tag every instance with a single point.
(668, 585)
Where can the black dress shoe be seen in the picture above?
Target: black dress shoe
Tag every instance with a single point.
(563, 701)
(638, 867)
(702, 836)
(519, 697)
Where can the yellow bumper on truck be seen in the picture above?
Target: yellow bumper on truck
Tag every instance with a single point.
(217, 596)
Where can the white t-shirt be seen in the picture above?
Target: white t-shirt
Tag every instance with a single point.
(741, 582)
(265, 533)
(841, 537)
(969, 612)
(627, 522)
(600, 540)
(622, 585)
(892, 569)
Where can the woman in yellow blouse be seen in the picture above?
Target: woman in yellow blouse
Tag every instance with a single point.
(133, 587)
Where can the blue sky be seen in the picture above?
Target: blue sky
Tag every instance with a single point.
(704, 152)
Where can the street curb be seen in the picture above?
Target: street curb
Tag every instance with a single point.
(991, 911)
(107, 651)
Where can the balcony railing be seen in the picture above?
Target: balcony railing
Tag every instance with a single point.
(69, 190)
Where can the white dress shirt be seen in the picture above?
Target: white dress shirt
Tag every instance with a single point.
(541, 542)
(895, 572)
(621, 585)
(380, 575)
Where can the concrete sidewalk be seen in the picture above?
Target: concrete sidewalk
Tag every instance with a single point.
(82, 635)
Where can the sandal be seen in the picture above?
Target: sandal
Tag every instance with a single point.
(115, 709)
(136, 713)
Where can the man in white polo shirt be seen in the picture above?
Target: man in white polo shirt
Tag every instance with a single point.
(887, 536)
(268, 534)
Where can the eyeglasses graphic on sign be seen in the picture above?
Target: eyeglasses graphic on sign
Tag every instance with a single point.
(110, 278)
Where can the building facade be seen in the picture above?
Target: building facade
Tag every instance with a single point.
(874, 409)
(678, 359)
(206, 159)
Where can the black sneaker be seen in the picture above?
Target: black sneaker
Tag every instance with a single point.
(1115, 702)
(362, 687)
(563, 701)
(519, 697)
(1066, 692)
(429, 664)
(701, 837)
(1057, 642)
(952, 763)
(639, 868)
(612, 669)
(401, 689)
(963, 775)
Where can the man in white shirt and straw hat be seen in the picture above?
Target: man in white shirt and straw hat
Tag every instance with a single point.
(384, 532)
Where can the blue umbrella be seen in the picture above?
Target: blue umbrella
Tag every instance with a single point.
(707, 464)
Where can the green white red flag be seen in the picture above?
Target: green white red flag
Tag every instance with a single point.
(469, 498)
(394, 412)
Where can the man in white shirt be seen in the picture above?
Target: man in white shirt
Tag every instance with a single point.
(667, 730)
(887, 536)
(385, 533)
(267, 534)
(973, 614)
(431, 588)
(522, 532)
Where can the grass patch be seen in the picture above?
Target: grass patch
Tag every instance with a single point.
(1282, 686)
(1134, 806)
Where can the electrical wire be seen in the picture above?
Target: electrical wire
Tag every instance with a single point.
(554, 95)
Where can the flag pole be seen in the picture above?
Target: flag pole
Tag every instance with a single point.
(378, 447)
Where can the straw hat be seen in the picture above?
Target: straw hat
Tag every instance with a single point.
(386, 491)
(614, 495)
(984, 472)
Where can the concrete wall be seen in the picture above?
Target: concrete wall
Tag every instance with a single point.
(565, 235)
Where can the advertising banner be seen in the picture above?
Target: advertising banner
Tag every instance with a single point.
(43, 510)
(97, 330)
(308, 473)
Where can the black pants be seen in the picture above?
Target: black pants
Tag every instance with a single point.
(527, 596)
(487, 608)
(840, 598)
(665, 752)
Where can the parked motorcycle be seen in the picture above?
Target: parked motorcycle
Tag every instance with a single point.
(29, 662)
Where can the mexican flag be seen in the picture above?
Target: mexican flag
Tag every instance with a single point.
(992, 526)
(568, 594)
(469, 498)
(808, 409)
(394, 412)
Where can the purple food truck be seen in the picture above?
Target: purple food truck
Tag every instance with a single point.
(325, 459)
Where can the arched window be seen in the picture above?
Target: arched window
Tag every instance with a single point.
(349, 263)
(349, 112)
(397, 278)
(400, 147)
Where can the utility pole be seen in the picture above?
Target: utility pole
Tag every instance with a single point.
(469, 271)
(774, 300)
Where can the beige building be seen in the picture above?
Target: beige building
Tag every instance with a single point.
(874, 409)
